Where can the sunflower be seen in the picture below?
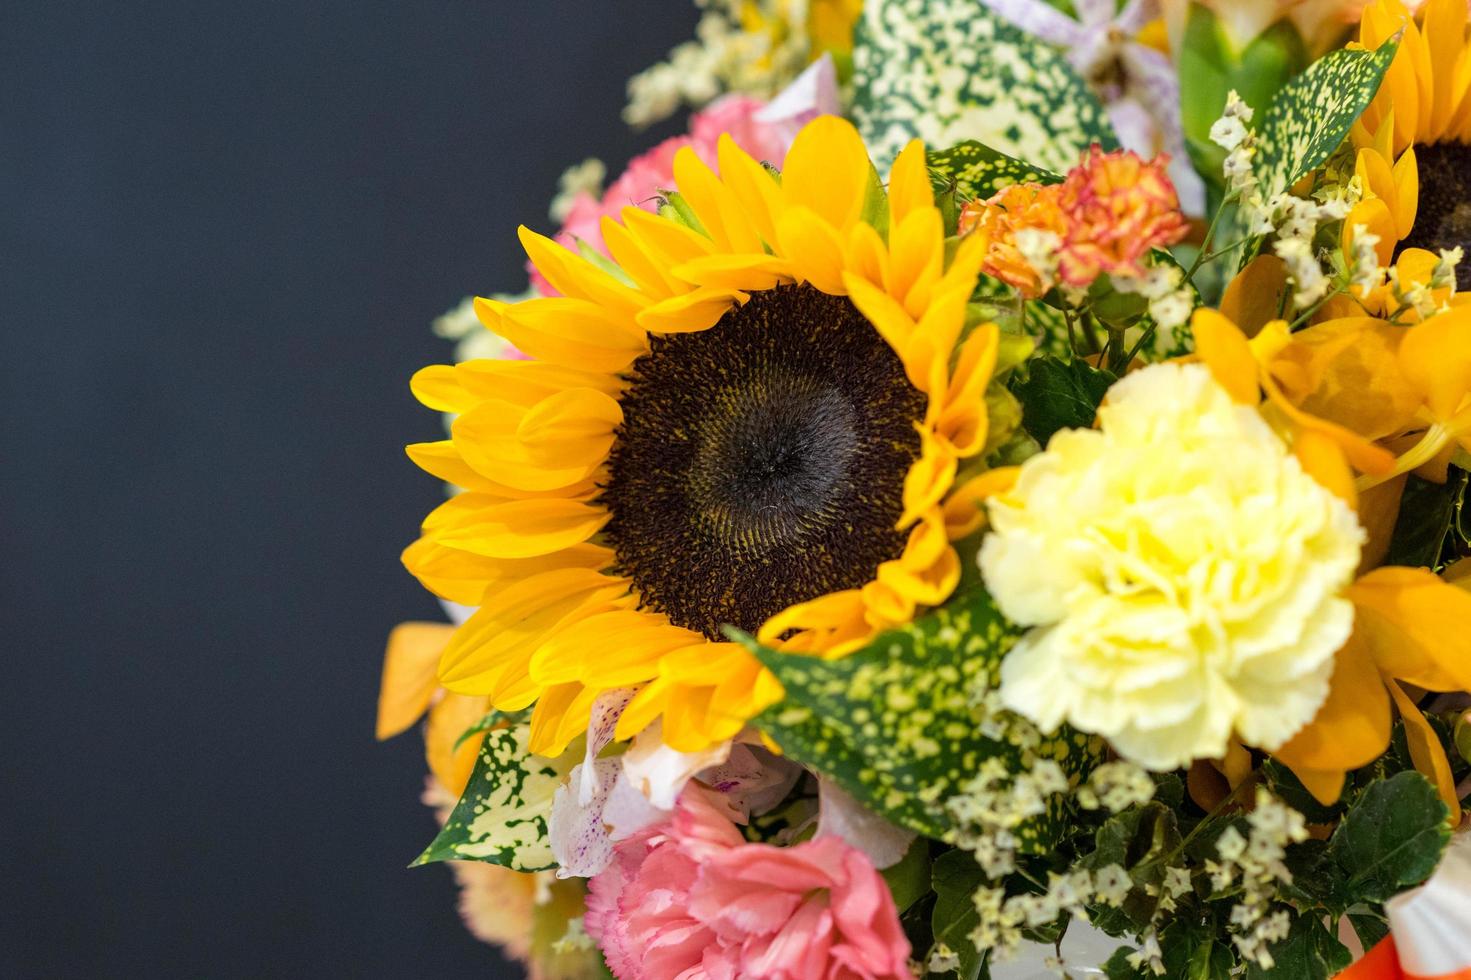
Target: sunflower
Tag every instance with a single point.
(1412, 140)
(753, 417)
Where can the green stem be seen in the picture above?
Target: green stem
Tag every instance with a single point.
(1210, 233)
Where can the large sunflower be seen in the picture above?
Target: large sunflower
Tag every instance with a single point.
(1414, 159)
(755, 418)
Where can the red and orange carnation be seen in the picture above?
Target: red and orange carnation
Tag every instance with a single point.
(1118, 207)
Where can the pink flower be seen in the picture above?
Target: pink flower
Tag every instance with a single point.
(692, 900)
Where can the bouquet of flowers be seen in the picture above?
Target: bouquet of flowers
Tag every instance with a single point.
(989, 501)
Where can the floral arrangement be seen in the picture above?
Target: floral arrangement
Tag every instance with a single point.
(990, 500)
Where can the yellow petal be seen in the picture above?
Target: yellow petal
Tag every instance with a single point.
(486, 438)
(409, 678)
(1224, 349)
(963, 420)
(886, 314)
(826, 171)
(520, 528)
(813, 247)
(742, 272)
(639, 262)
(668, 242)
(753, 185)
(1407, 192)
(609, 650)
(448, 720)
(442, 460)
(504, 632)
(909, 184)
(1426, 751)
(438, 387)
(928, 480)
(963, 512)
(916, 258)
(576, 277)
(699, 309)
(717, 208)
(569, 332)
(834, 618)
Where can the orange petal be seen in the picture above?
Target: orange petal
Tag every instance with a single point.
(1426, 751)
(1351, 729)
(1415, 624)
(1224, 349)
(409, 677)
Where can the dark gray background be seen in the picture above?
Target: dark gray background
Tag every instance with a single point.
(224, 229)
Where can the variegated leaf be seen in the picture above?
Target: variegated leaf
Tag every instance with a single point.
(895, 725)
(977, 172)
(1310, 115)
(950, 70)
(502, 816)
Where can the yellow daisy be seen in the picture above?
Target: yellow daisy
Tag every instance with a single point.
(755, 419)
(1412, 139)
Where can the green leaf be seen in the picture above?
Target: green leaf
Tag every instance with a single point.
(1139, 840)
(1210, 67)
(909, 880)
(1427, 515)
(1370, 928)
(955, 878)
(950, 70)
(1290, 790)
(1310, 952)
(1310, 115)
(1191, 950)
(502, 816)
(893, 722)
(1391, 838)
(977, 172)
(1058, 394)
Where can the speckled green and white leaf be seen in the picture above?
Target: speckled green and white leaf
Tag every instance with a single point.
(502, 816)
(893, 723)
(950, 70)
(977, 171)
(1310, 115)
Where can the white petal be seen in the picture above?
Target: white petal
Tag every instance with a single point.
(839, 815)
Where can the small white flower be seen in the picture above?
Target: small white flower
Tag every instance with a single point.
(1231, 845)
(1112, 884)
(1228, 132)
(1445, 269)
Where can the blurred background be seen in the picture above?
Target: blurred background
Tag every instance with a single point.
(224, 231)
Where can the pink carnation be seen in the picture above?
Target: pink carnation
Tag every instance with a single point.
(692, 900)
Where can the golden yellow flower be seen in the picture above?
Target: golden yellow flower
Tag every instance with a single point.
(755, 419)
(1412, 139)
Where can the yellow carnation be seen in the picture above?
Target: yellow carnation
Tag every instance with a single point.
(1183, 573)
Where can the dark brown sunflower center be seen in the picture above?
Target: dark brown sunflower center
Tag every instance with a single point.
(1444, 216)
(761, 463)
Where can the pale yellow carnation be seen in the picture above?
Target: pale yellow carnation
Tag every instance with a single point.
(1183, 573)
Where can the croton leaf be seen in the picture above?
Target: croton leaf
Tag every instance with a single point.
(977, 172)
(893, 723)
(950, 70)
(1391, 838)
(1310, 115)
(502, 816)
